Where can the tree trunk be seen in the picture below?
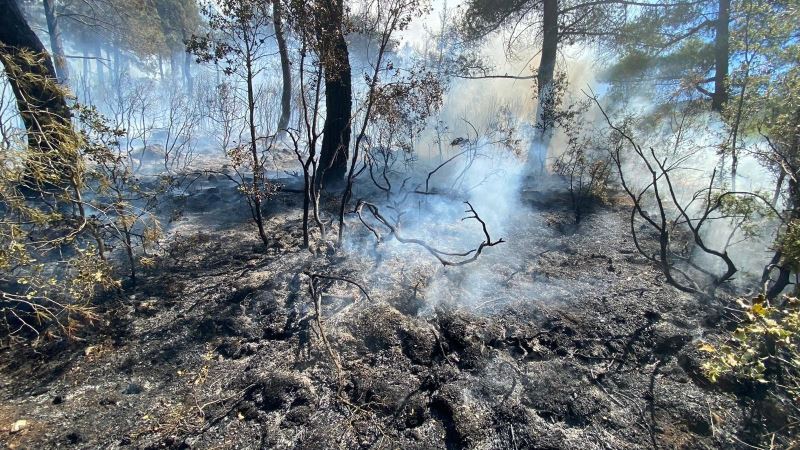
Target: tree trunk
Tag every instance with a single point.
(258, 170)
(117, 67)
(187, 64)
(537, 155)
(59, 57)
(286, 71)
(116, 76)
(101, 74)
(172, 67)
(187, 73)
(721, 56)
(41, 102)
(338, 96)
(85, 68)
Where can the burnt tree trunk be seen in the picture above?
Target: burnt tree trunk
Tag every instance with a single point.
(547, 66)
(187, 65)
(286, 70)
(721, 56)
(338, 94)
(545, 76)
(56, 44)
(32, 76)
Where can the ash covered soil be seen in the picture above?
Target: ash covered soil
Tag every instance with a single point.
(560, 338)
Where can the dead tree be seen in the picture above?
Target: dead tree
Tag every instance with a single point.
(310, 135)
(388, 18)
(672, 215)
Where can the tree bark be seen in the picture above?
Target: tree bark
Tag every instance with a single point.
(338, 95)
(545, 75)
(547, 66)
(41, 102)
(56, 44)
(721, 56)
(286, 70)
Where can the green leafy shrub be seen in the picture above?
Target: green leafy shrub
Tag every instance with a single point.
(764, 349)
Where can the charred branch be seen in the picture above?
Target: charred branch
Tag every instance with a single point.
(444, 257)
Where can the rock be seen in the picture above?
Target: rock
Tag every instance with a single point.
(19, 425)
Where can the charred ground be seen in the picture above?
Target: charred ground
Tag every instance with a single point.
(584, 346)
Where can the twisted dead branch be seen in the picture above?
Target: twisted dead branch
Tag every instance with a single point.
(316, 295)
(441, 255)
(662, 191)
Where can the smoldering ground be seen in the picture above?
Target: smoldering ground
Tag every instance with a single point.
(574, 342)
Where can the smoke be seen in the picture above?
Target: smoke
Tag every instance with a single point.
(490, 121)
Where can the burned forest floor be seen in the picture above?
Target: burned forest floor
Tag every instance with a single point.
(562, 337)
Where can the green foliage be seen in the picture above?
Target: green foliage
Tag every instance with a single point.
(49, 270)
(666, 52)
(67, 197)
(789, 244)
(484, 16)
(145, 28)
(764, 349)
(179, 19)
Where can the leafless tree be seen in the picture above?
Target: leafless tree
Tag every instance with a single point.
(673, 216)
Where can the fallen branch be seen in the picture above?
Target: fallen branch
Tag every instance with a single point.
(316, 296)
(315, 276)
(438, 254)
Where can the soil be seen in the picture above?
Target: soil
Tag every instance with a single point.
(563, 337)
